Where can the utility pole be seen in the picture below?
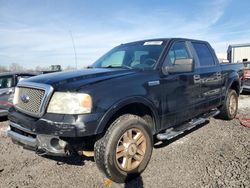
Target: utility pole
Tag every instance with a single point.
(73, 43)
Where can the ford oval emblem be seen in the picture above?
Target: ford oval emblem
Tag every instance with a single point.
(25, 98)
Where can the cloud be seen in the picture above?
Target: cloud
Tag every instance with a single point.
(37, 38)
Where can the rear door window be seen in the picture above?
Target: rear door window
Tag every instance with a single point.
(204, 54)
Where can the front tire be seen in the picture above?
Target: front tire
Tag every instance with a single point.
(125, 149)
(229, 109)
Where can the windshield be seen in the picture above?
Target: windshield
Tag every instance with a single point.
(142, 55)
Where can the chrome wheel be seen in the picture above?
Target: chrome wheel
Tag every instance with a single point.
(130, 149)
(232, 104)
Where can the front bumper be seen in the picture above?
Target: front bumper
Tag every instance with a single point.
(42, 144)
(52, 133)
(58, 124)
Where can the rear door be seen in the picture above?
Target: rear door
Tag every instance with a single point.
(208, 74)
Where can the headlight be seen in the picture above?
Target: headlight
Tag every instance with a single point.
(70, 103)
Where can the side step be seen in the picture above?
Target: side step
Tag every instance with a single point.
(173, 132)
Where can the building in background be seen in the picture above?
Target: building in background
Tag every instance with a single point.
(238, 53)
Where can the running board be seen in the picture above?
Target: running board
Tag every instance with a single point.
(173, 132)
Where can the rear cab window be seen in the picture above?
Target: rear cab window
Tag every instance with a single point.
(204, 54)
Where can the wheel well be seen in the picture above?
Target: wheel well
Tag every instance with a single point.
(235, 86)
(138, 109)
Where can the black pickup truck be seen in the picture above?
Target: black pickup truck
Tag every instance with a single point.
(135, 94)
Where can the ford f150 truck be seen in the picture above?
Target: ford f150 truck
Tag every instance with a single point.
(137, 92)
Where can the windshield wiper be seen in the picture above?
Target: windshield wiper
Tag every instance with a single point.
(122, 66)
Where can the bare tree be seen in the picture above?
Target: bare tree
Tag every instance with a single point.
(3, 69)
(15, 67)
(68, 68)
(38, 68)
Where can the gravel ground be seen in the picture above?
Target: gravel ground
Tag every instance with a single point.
(215, 155)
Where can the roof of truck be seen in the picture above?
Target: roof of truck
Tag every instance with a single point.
(164, 40)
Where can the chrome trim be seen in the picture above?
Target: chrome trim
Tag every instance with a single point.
(48, 93)
(22, 139)
(12, 124)
(154, 83)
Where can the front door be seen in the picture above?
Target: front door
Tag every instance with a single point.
(180, 90)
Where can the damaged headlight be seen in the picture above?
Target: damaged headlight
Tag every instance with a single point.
(70, 103)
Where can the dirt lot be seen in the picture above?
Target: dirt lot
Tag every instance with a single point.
(215, 155)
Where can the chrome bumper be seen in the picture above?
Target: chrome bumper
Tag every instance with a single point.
(42, 144)
(22, 140)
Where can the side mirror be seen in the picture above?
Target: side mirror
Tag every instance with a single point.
(181, 65)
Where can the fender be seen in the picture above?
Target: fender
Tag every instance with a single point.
(232, 79)
(124, 102)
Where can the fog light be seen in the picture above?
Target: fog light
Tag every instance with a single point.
(62, 143)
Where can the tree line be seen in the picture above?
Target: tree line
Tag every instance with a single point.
(15, 67)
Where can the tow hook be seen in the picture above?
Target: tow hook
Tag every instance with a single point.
(86, 153)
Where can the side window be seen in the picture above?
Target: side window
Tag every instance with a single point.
(5, 82)
(177, 51)
(204, 54)
(116, 59)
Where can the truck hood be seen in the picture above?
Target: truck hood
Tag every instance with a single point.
(75, 79)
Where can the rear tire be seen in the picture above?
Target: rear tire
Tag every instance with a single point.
(125, 149)
(229, 108)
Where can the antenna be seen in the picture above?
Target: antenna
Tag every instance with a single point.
(73, 43)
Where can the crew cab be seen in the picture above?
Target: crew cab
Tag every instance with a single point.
(135, 93)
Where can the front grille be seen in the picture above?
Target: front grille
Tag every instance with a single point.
(32, 98)
(35, 99)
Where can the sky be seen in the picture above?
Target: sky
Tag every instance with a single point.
(40, 32)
